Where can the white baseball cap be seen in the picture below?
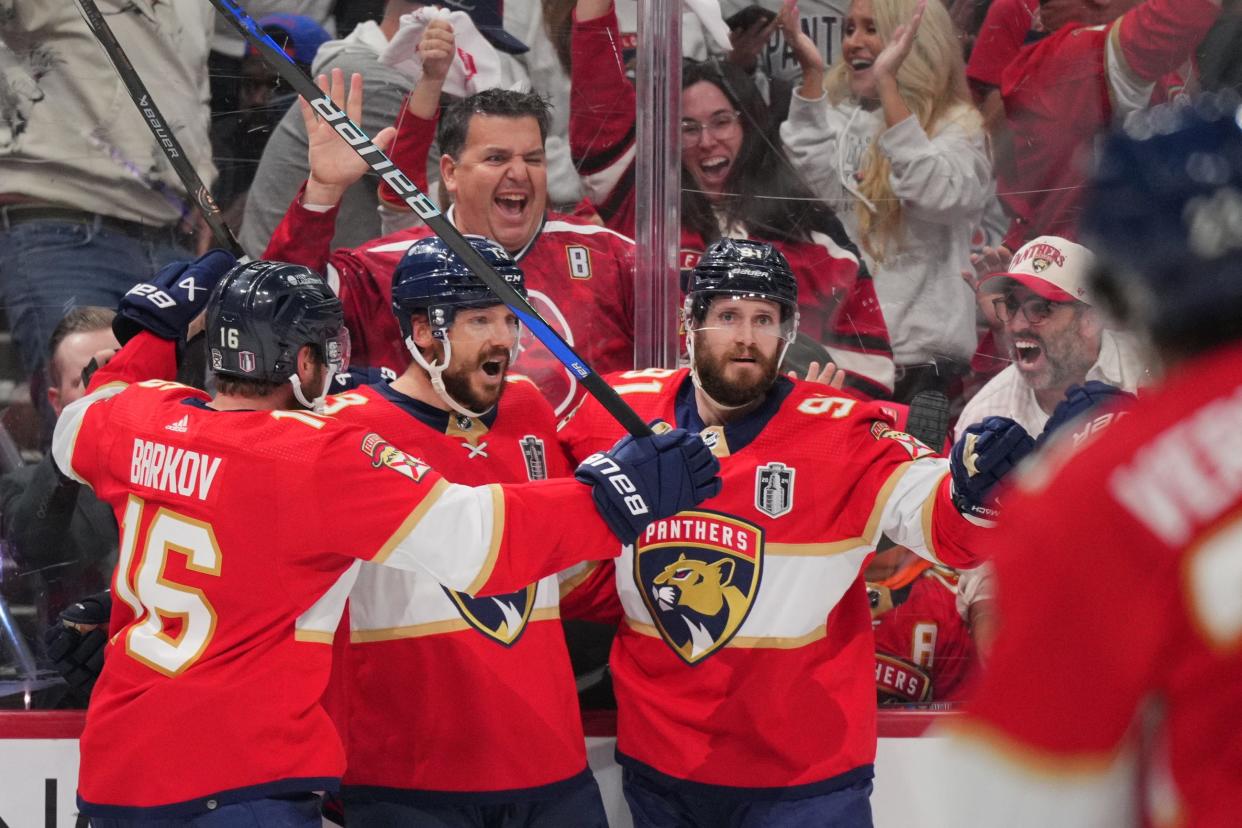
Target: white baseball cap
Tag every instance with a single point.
(1053, 267)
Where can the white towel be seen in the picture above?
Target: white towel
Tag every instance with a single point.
(476, 67)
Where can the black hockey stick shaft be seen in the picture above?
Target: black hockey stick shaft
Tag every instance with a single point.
(426, 209)
(197, 191)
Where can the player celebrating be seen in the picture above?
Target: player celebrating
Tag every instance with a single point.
(1112, 704)
(744, 664)
(492, 675)
(232, 568)
(579, 275)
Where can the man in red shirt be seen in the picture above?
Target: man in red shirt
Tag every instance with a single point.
(1116, 677)
(1101, 62)
(579, 275)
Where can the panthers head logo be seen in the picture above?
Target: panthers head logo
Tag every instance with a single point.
(700, 586)
(698, 573)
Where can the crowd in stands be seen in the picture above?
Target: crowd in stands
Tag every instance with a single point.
(920, 163)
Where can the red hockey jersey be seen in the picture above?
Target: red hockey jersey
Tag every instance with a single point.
(580, 278)
(923, 648)
(491, 676)
(745, 659)
(233, 570)
(837, 298)
(1116, 677)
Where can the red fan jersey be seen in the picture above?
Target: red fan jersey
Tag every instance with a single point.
(1062, 91)
(580, 277)
(923, 648)
(444, 692)
(233, 566)
(1116, 678)
(745, 658)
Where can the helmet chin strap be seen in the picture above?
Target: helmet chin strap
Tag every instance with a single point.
(435, 371)
(315, 405)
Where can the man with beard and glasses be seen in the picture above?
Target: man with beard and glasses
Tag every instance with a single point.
(1055, 338)
(744, 666)
(492, 676)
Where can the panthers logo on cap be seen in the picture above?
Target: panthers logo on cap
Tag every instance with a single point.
(698, 573)
(501, 618)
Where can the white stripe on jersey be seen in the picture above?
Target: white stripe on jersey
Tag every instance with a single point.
(66, 434)
(319, 623)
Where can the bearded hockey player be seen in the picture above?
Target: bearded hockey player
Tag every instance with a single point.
(492, 675)
(744, 665)
(234, 560)
(1114, 700)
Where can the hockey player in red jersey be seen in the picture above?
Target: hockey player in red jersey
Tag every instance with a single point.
(737, 182)
(1112, 693)
(234, 561)
(579, 275)
(744, 664)
(491, 675)
(923, 648)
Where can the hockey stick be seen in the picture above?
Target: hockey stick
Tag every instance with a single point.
(426, 209)
(168, 143)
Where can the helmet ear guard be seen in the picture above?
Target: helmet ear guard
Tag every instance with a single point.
(430, 279)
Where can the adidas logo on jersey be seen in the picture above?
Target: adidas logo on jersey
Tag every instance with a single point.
(182, 425)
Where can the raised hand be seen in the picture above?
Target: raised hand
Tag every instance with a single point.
(333, 163)
(894, 53)
(437, 49)
(830, 375)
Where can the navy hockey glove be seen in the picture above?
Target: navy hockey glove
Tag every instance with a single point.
(1080, 399)
(75, 644)
(167, 304)
(643, 479)
(985, 454)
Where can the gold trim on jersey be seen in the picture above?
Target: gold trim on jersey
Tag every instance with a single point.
(438, 627)
(574, 581)
(871, 534)
(774, 642)
(313, 636)
(929, 507)
(471, 433)
(813, 550)
(411, 521)
(498, 530)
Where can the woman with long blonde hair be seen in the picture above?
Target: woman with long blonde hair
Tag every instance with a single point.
(890, 138)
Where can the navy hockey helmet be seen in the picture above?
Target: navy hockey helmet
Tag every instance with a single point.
(744, 269)
(430, 278)
(261, 313)
(1164, 218)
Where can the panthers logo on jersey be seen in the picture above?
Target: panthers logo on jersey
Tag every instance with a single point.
(501, 618)
(698, 573)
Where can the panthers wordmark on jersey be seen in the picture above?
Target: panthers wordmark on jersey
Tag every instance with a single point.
(491, 675)
(745, 658)
(234, 563)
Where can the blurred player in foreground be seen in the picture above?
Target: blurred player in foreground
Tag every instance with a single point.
(744, 666)
(1113, 691)
(235, 555)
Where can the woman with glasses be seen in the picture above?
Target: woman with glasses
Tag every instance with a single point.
(736, 182)
(890, 138)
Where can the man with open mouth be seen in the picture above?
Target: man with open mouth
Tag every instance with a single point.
(1056, 339)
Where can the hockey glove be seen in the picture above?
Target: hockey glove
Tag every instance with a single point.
(1080, 399)
(167, 304)
(644, 479)
(75, 644)
(985, 454)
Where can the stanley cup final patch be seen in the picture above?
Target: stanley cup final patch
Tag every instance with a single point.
(698, 573)
(536, 459)
(774, 489)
